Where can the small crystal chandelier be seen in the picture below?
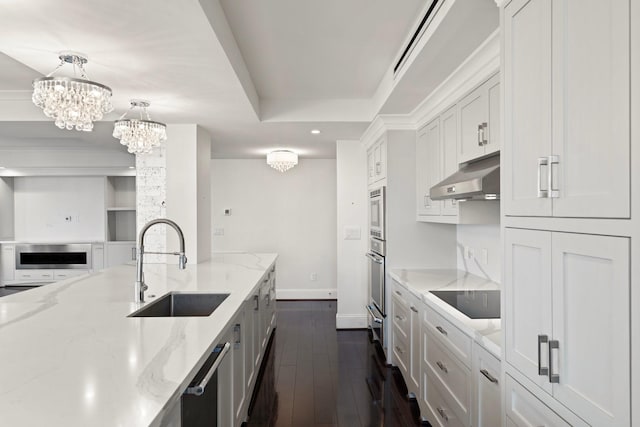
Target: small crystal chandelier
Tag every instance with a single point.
(72, 102)
(282, 160)
(139, 135)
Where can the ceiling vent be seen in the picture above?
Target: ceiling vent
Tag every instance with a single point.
(415, 38)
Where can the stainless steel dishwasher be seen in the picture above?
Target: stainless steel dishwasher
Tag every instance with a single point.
(200, 400)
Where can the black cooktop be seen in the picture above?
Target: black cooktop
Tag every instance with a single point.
(473, 304)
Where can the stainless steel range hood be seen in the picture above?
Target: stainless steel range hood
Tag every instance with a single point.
(479, 180)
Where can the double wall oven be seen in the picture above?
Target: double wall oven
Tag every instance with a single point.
(376, 306)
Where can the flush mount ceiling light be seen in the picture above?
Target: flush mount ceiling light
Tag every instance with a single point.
(72, 102)
(282, 160)
(315, 131)
(139, 135)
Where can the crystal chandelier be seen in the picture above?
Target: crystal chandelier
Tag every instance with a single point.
(72, 102)
(282, 160)
(139, 135)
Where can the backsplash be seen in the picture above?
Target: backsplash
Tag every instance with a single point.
(478, 250)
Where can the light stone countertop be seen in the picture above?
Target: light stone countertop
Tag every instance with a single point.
(70, 356)
(486, 332)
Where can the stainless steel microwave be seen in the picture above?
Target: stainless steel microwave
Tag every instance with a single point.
(53, 256)
(377, 198)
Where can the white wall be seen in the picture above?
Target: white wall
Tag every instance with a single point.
(6, 208)
(291, 213)
(352, 210)
(42, 203)
(477, 238)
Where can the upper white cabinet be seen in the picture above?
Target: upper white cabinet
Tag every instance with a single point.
(567, 319)
(479, 121)
(377, 161)
(567, 108)
(428, 167)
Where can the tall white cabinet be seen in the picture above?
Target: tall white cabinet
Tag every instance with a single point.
(567, 225)
(567, 104)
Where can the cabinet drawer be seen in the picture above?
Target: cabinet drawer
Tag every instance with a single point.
(524, 409)
(35, 275)
(441, 414)
(401, 350)
(65, 274)
(401, 315)
(454, 339)
(453, 378)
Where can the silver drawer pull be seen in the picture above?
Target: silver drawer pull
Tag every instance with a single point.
(542, 370)
(398, 293)
(441, 330)
(489, 376)
(199, 389)
(399, 350)
(400, 318)
(415, 310)
(237, 331)
(442, 367)
(553, 345)
(553, 192)
(442, 414)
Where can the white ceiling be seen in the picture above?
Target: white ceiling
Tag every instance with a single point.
(258, 75)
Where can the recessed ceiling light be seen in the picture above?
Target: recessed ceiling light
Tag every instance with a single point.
(132, 167)
(315, 131)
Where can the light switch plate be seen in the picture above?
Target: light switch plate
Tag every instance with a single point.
(218, 231)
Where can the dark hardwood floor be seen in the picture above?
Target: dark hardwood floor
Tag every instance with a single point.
(324, 377)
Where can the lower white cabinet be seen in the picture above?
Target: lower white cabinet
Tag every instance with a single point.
(406, 309)
(7, 263)
(238, 354)
(225, 385)
(567, 320)
(523, 409)
(487, 402)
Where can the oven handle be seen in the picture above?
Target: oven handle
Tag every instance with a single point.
(198, 390)
(375, 319)
(373, 258)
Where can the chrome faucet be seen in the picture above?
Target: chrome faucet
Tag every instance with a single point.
(140, 286)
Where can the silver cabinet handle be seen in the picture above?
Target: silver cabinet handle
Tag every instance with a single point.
(442, 414)
(256, 298)
(378, 168)
(441, 330)
(398, 293)
(542, 161)
(415, 310)
(399, 350)
(375, 319)
(485, 140)
(373, 258)
(480, 136)
(442, 367)
(553, 345)
(198, 390)
(426, 202)
(553, 192)
(488, 376)
(401, 318)
(237, 332)
(542, 370)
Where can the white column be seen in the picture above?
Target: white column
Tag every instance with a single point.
(174, 182)
(352, 280)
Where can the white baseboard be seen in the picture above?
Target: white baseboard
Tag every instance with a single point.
(351, 321)
(306, 294)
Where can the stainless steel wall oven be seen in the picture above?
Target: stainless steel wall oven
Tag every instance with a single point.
(376, 306)
(54, 256)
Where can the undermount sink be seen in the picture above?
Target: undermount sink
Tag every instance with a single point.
(176, 304)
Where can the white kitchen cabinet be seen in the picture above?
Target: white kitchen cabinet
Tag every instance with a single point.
(487, 401)
(97, 256)
(377, 161)
(449, 151)
(406, 321)
(225, 385)
(479, 121)
(525, 410)
(567, 319)
(429, 167)
(238, 354)
(120, 253)
(7, 263)
(567, 114)
(415, 314)
(61, 274)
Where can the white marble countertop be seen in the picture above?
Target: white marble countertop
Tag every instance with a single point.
(70, 356)
(486, 332)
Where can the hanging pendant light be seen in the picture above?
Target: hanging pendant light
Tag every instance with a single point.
(72, 102)
(139, 135)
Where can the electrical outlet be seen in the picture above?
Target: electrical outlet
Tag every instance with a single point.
(218, 231)
(313, 277)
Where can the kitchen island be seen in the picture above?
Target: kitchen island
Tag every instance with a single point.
(71, 356)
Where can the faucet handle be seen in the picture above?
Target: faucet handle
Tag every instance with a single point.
(182, 261)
